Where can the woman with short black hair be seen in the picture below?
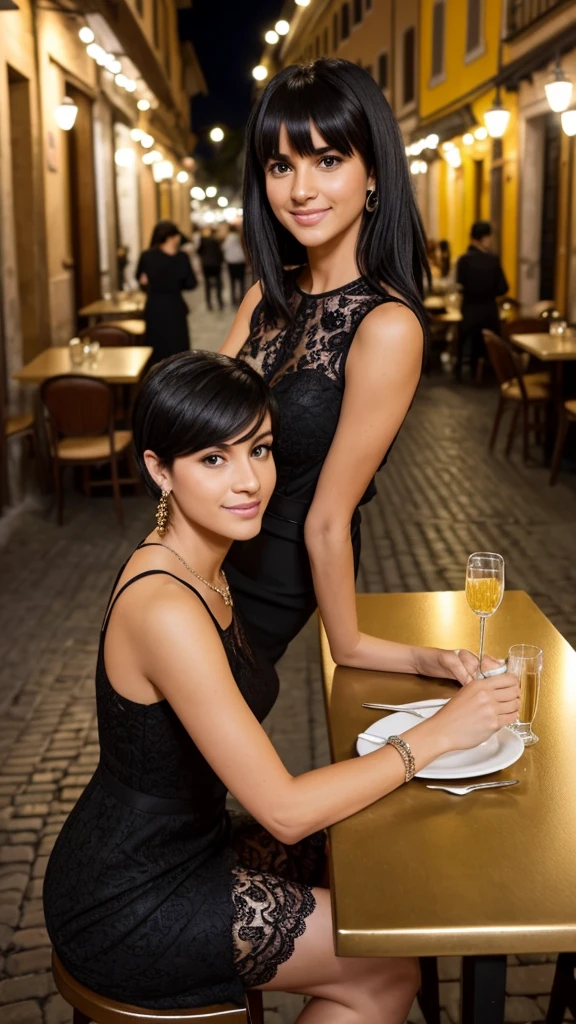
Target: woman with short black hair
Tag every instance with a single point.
(165, 272)
(154, 895)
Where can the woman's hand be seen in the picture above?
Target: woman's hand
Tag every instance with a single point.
(478, 711)
(461, 665)
(143, 280)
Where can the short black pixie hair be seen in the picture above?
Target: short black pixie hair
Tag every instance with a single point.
(195, 400)
(164, 230)
(480, 229)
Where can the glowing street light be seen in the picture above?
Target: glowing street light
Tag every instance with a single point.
(197, 193)
(146, 141)
(260, 72)
(65, 114)
(143, 104)
(496, 120)
(282, 27)
(211, 191)
(303, 3)
(568, 118)
(468, 139)
(96, 53)
(222, 201)
(136, 134)
(86, 34)
(217, 135)
(481, 133)
(152, 157)
(559, 90)
(182, 177)
(272, 37)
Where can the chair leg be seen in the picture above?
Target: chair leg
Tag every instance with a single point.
(559, 446)
(496, 424)
(80, 1018)
(429, 994)
(255, 1006)
(512, 430)
(116, 490)
(563, 989)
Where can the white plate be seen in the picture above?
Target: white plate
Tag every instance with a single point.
(504, 749)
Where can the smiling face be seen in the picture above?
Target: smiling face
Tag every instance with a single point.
(319, 197)
(223, 490)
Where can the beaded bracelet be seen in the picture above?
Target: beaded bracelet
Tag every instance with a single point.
(406, 754)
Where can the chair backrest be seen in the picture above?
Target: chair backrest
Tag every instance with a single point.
(525, 325)
(107, 1011)
(109, 336)
(504, 361)
(78, 406)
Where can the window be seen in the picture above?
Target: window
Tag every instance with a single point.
(383, 71)
(317, 47)
(335, 39)
(357, 11)
(438, 13)
(409, 66)
(345, 21)
(474, 28)
(326, 45)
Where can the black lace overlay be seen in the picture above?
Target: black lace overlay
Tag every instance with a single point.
(142, 891)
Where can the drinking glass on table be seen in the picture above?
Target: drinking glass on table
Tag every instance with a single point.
(525, 661)
(76, 349)
(484, 588)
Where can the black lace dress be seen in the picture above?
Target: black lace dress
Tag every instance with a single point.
(154, 894)
(304, 363)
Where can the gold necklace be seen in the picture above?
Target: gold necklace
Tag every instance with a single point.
(224, 592)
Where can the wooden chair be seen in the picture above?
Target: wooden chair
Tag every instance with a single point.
(527, 325)
(135, 328)
(567, 416)
(89, 1006)
(563, 994)
(109, 335)
(526, 392)
(81, 421)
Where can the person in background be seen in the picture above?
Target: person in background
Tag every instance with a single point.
(482, 280)
(236, 262)
(444, 260)
(210, 253)
(164, 272)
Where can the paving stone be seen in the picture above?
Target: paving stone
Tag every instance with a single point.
(449, 968)
(29, 962)
(6, 935)
(22, 838)
(27, 1012)
(56, 1011)
(19, 854)
(521, 1010)
(530, 980)
(34, 888)
(39, 867)
(22, 823)
(9, 914)
(16, 881)
(32, 914)
(29, 986)
(30, 938)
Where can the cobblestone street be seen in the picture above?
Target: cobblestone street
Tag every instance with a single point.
(440, 497)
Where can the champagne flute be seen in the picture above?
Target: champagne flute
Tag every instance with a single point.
(484, 588)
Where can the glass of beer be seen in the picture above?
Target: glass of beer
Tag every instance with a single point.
(484, 588)
(525, 662)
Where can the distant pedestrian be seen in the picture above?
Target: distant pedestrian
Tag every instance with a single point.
(236, 262)
(443, 257)
(482, 280)
(164, 272)
(211, 258)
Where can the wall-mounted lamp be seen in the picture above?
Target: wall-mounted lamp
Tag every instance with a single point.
(65, 114)
(497, 118)
(568, 119)
(559, 90)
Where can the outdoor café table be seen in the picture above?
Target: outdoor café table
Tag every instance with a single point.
(550, 348)
(424, 873)
(115, 365)
(116, 308)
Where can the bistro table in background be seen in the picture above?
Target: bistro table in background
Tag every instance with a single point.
(550, 348)
(424, 873)
(114, 365)
(121, 307)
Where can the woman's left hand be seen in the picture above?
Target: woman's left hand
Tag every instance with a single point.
(460, 665)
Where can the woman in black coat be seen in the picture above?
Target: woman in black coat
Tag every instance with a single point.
(165, 272)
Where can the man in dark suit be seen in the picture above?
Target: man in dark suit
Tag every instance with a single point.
(482, 280)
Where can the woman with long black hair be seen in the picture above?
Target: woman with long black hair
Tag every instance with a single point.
(336, 326)
(164, 271)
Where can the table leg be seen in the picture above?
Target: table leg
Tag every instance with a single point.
(483, 989)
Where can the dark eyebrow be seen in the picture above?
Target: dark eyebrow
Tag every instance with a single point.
(223, 447)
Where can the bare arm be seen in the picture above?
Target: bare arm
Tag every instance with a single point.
(178, 649)
(241, 327)
(382, 374)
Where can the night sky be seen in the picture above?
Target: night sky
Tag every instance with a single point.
(228, 36)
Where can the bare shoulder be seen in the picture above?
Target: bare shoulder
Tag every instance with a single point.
(241, 327)
(393, 324)
(159, 611)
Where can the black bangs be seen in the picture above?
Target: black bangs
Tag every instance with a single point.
(301, 100)
(197, 400)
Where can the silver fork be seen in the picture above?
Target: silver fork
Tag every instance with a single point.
(463, 790)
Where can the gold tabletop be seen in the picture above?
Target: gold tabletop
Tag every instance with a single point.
(422, 872)
(135, 327)
(118, 307)
(547, 347)
(115, 365)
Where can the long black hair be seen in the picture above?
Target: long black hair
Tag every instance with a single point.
(195, 400)
(350, 113)
(163, 230)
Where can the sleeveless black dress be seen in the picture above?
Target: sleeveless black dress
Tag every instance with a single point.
(304, 363)
(154, 895)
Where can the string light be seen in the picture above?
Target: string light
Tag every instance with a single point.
(86, 34)
(260, 72)
(272, 37)
(143, 104)
(282, 27)
(211, 191)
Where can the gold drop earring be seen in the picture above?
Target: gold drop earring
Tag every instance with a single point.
(163, 514)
